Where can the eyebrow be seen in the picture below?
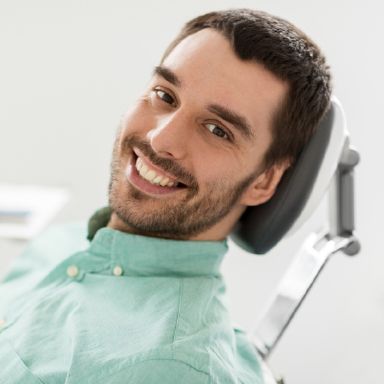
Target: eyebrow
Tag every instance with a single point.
(232, 117)
(167, 74)
(238, 121)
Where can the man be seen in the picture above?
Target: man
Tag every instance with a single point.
(231, 104)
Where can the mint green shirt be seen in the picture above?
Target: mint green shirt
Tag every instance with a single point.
(122, 309)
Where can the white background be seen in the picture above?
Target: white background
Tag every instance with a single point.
(68, 70)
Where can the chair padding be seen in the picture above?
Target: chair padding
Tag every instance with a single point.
(260, 228)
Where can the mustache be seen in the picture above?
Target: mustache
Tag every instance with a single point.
(167, 165)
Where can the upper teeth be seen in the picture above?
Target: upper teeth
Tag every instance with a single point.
(152, 176)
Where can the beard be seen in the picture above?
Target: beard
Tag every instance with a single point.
(173, 217)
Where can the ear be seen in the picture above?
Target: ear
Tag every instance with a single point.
(264, 186)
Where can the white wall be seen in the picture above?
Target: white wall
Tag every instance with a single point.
(68, 69)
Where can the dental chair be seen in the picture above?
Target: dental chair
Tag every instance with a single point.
(325, 166)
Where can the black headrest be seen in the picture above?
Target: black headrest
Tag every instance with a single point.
(261, 227)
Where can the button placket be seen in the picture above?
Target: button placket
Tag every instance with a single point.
(117, 270)
(74, 272)
(116, 261)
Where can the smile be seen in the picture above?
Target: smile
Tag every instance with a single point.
(149, 178)
(152, 175)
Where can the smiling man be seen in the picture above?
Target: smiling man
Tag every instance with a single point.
(190, 155)
(228, 109)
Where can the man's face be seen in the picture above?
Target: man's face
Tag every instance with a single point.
(189, 155)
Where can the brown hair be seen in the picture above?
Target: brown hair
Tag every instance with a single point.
(289, 54)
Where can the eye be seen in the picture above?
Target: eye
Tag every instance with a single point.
(164, 96)
(217, 130)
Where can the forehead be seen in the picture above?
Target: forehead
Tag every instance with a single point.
(210, 72)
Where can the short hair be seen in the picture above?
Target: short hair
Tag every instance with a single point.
(291, 56)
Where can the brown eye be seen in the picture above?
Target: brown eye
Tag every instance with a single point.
(217, 130)
(164, 96)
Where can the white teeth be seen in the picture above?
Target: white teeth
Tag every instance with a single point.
(151, 175)
(157, 179)
(144, 169)
(139, 163)
(164, 182)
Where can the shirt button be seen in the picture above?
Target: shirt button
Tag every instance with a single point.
(2, 322)
(72, 271)
(117, 271)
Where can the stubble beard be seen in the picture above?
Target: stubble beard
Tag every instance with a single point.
(181, 218)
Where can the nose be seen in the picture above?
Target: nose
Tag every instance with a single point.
(170, 137)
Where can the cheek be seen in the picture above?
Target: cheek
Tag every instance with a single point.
(214, 170)
(137, 119)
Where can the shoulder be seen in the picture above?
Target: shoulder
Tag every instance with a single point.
(54, 245)
(44, 252)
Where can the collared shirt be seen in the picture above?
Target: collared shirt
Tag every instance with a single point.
(124, 309)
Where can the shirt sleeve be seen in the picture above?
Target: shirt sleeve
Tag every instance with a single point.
(164, 371)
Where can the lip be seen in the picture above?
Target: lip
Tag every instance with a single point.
(145, 186)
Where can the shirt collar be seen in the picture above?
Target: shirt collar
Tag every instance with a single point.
(143, 255)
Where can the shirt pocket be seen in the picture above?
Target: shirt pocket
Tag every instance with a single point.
(13, 370)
